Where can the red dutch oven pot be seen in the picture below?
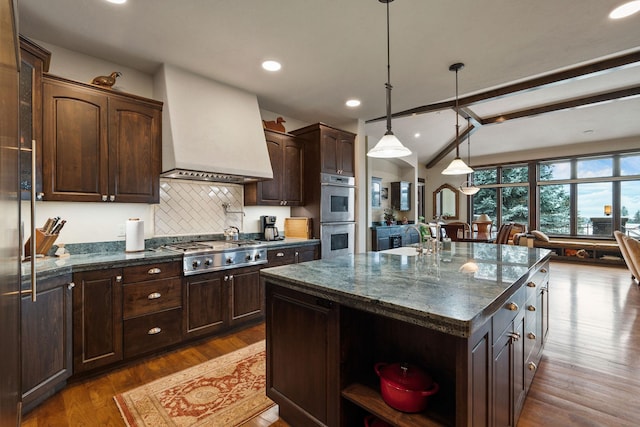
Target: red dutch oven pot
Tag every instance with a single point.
(405, 387)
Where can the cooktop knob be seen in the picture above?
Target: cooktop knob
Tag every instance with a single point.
(196, 263)
(229, 260)
(247, 257)
(208, 262)
(257, 256)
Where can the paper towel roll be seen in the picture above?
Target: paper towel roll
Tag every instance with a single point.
(134, 235)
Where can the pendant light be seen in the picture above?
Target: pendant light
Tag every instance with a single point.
(389, 146)
(457, 166)
(468, 188)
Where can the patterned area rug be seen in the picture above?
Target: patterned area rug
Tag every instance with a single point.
(226, 391)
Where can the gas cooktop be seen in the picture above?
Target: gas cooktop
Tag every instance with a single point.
(202, 257)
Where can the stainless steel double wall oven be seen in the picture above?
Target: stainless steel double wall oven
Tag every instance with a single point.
(337, 215)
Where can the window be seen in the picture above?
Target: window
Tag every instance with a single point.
(504, 194)
(586, 196)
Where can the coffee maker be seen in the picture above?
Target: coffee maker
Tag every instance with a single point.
(268, 228)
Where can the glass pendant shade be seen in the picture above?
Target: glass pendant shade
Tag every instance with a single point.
(388, 147)
(467, 188)
(457, 167)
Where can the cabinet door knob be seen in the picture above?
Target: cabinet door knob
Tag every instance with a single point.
(543, 270)
(513, 306)
(531, 284)
(71, 285)
(104, 197)
(154, 331)
(280, 254)
(532, 366)
(155, 270)
(154, 295)
(515, 336)
(531, 308)
(40, 196)
(531, 336)
(118, 279)
(112, 198)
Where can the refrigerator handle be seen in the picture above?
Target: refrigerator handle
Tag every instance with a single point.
(33, 221)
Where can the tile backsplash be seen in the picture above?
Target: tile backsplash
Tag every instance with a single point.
(193, 207)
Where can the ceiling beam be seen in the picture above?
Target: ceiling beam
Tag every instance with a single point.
(533, 84)
(564, 105)
(451, 146)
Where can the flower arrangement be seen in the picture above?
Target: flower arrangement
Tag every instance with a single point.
(389, 215)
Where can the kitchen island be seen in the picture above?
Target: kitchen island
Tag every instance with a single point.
(474, 317)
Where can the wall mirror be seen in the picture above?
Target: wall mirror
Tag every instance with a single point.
(446, 202)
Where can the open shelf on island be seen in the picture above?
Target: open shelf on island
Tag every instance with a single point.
(370, 400)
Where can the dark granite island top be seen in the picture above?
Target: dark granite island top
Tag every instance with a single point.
(475, 318)
(442, 293)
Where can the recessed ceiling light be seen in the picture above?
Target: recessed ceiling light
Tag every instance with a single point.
(416, 135)
(353, 103)
(625, 10)
(117, 1)
(271, 65)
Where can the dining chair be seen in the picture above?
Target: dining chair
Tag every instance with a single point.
(451, 228)
(502, 238)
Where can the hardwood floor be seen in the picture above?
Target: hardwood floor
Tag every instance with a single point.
(589, 373)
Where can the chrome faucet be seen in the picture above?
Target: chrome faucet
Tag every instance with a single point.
(416, 227)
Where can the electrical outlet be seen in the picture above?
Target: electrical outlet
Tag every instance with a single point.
(121, 230)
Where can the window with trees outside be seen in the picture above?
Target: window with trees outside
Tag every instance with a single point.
(589, 196)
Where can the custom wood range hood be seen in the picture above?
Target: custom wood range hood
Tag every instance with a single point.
(211, 131)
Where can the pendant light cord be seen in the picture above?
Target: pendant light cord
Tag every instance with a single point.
(457, 116)
(388, 84)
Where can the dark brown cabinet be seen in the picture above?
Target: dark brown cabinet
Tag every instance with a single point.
(97, 319)
(292, 255)
(34, 61)
(152, 307)
(334, 147)
(46, 340)
(302, 373)
(285, 189)
(98, 145)
(401, 195)
(218, 301)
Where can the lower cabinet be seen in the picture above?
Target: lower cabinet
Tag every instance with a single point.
(302, 369)
(97, 319)
(220, 300)
(292, 255)
(46, 340)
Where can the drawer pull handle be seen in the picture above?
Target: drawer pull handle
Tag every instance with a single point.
(155, 270)
(154, 295)
(515, 336)
(531, 308)
(71, 285)
(154, 331)
(531, 336)
(512, 306)
(531, 284)
(280, 254)
(543, 270)
(532, 366)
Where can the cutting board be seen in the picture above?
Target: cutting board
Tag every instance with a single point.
(297, 227)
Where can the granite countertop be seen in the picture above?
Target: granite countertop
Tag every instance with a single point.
(431, 291)
(52, 266)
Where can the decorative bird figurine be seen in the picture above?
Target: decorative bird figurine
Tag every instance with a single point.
(275, 125)
(106, 81)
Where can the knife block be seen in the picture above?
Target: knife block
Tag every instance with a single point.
(43, 243)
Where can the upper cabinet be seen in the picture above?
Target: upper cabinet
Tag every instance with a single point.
(401, 195)
(285, 189)
(34, 61)
(336, 148)
(99, 145)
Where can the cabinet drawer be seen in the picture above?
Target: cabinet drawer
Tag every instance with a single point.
(140, 273)
(507, 312)
(152, 296)
(537, 280)
(282, 256)
(151, 332)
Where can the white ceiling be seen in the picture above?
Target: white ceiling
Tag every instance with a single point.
(332, 50)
